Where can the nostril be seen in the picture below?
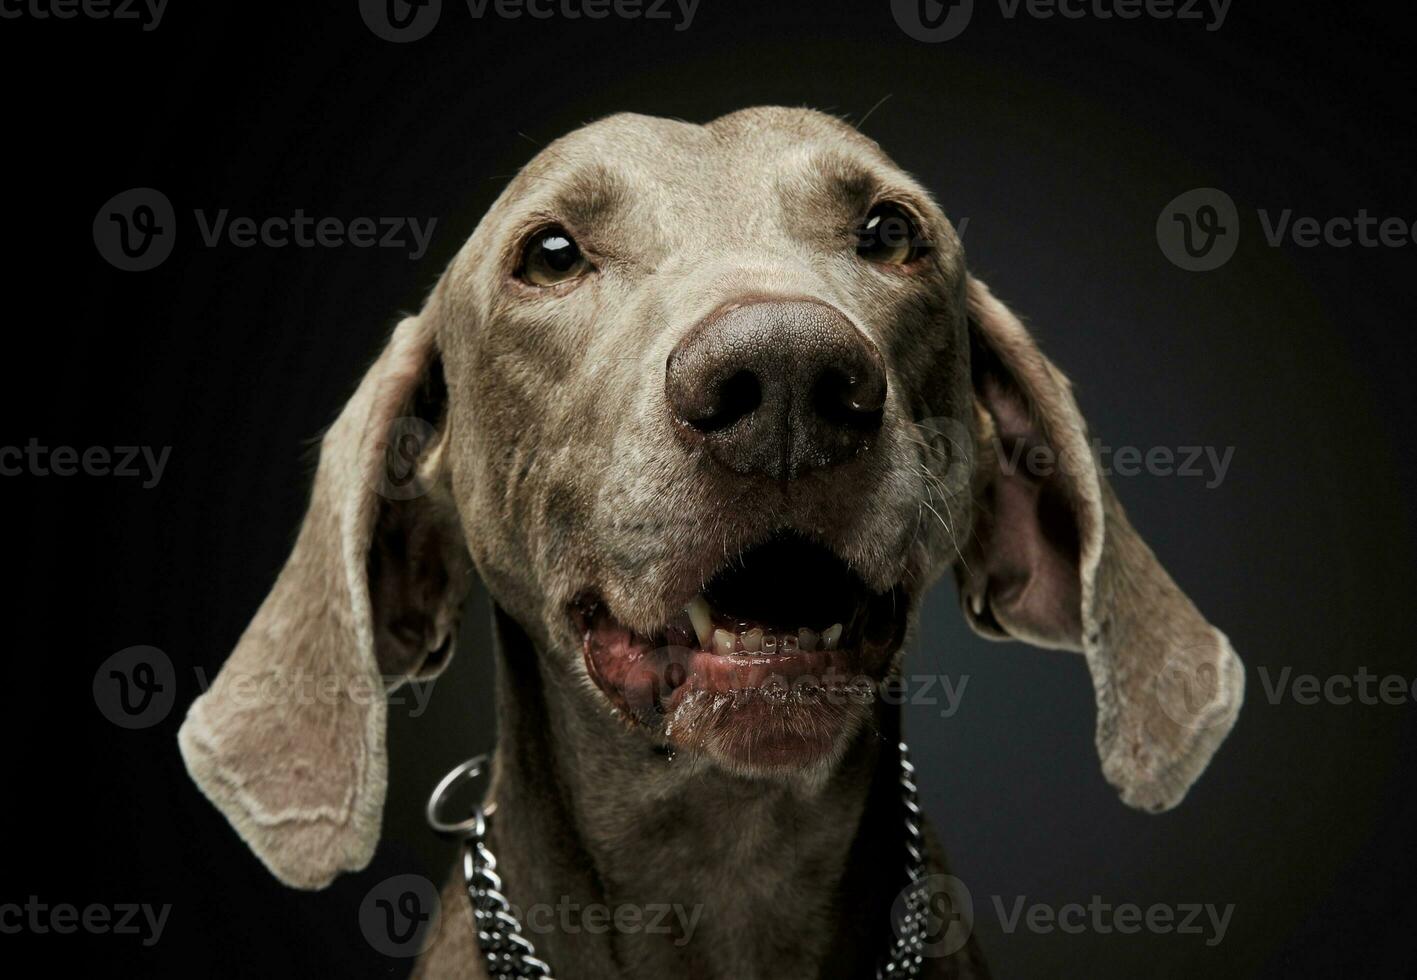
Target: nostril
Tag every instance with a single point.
(845, 400)
(739, 395)
(776, 388)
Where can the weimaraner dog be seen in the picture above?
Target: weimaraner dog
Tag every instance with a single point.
(708, 408)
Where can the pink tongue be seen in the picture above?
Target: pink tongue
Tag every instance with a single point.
(633, 674)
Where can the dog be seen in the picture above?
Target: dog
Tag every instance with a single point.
(708, 408)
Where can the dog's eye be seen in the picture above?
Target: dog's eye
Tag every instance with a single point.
(552, 256)
(889, 237)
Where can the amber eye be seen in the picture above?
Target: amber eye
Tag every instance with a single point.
(888, 236)
(551, 256)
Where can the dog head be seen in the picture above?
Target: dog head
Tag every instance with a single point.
(708, 408)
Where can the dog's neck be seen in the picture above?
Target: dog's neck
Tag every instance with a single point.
(643, 865)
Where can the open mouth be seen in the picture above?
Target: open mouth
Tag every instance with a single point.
(785, 622)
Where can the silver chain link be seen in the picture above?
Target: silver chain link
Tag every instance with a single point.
(906, 955)
(508, 953)
(505, 950)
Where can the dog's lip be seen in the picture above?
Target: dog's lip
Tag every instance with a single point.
(841, 670)
(647, 680)
(827, 642)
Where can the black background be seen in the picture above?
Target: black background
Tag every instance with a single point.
(1059, 140)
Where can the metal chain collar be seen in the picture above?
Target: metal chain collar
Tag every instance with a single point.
(508, 953)
(906, 955)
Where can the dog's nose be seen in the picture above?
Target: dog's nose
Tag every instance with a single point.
(777, 388)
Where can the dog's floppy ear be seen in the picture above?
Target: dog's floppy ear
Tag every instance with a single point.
(289, 740)
(1053, 561)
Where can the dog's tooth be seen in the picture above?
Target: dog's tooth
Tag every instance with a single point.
(769, 643)
(723, 641)
(789, 643)
(698, 610)
(831, 636)
(807, 639)
(752, 640)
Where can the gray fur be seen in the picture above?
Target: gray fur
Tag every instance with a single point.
(554, 469)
